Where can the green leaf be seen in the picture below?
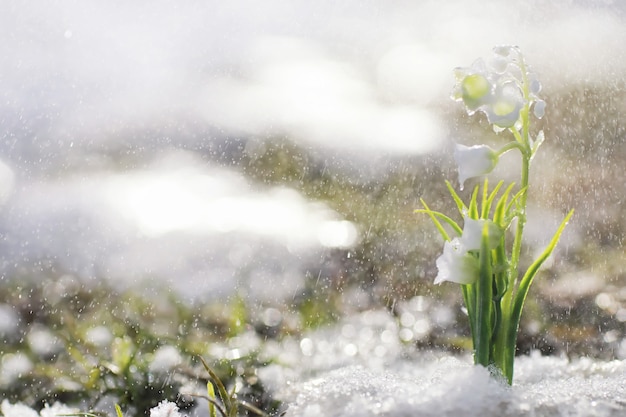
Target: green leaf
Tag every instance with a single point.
(210, 389)
(434, 214)
(221, 389)
(487, 205)
(499, 215)
(527, 280)
(515, 198)
(118, 411)
(459, 203)
(473, 206)
(483, 328)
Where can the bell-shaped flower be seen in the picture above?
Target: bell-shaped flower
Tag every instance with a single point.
(539, 109)
(473, 88)
(474, 161)
(499, 87)
(473, 233)
(504, 108)
(456, 264)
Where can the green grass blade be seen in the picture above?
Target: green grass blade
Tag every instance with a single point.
(500, 213)
(524, 286)
(443, 217)
(470, 304)
(210, 389)
(482, 349)
(473, 206)
(515, 198)
(490, 199)
(483, 201)
(459, 203)
(221, 389)
(118, 410)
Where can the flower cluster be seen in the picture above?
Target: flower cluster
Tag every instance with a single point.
(505, 89)
(500, 88)
(478, 256)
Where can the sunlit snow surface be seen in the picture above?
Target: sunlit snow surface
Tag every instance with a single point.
(360, 369)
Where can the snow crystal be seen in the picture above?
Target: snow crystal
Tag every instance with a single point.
(165, 409)
(330, 381)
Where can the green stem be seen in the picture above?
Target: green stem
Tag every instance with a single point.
(484, 326)
(507, 340)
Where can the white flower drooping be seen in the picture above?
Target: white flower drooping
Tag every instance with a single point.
(457, 264)
(474, 161)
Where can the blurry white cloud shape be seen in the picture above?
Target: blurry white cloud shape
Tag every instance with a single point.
(351, 75)
(298, 90)
(169, 198)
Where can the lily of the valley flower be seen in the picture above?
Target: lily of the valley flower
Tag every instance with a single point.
(497, 87)
(456, 264)
(474, 161)
(504, 108)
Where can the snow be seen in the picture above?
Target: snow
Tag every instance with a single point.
(327, 378)
(444, 386)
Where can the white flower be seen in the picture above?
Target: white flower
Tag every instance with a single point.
(497, 87)
(165, 409)
(456, 264)
(504, 108)
(473, 234)
(474, 161)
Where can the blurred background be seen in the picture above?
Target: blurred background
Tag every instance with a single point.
(276, 150)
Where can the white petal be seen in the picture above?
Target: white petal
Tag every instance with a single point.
(474, 161)
(473, 234)
(456, 265)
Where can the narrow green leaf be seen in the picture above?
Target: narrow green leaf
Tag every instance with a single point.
(445, 218)
(524, 286)
(485, 294)
(437, 223)
(211, 393)
(489, 203)
(500, 213)
(483, 202)
(118, 410)
(459, 203)
(470, 304)
(221, 389)
(473, 206)
(515, 198)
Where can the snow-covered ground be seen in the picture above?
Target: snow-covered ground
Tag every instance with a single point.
(359, 368)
